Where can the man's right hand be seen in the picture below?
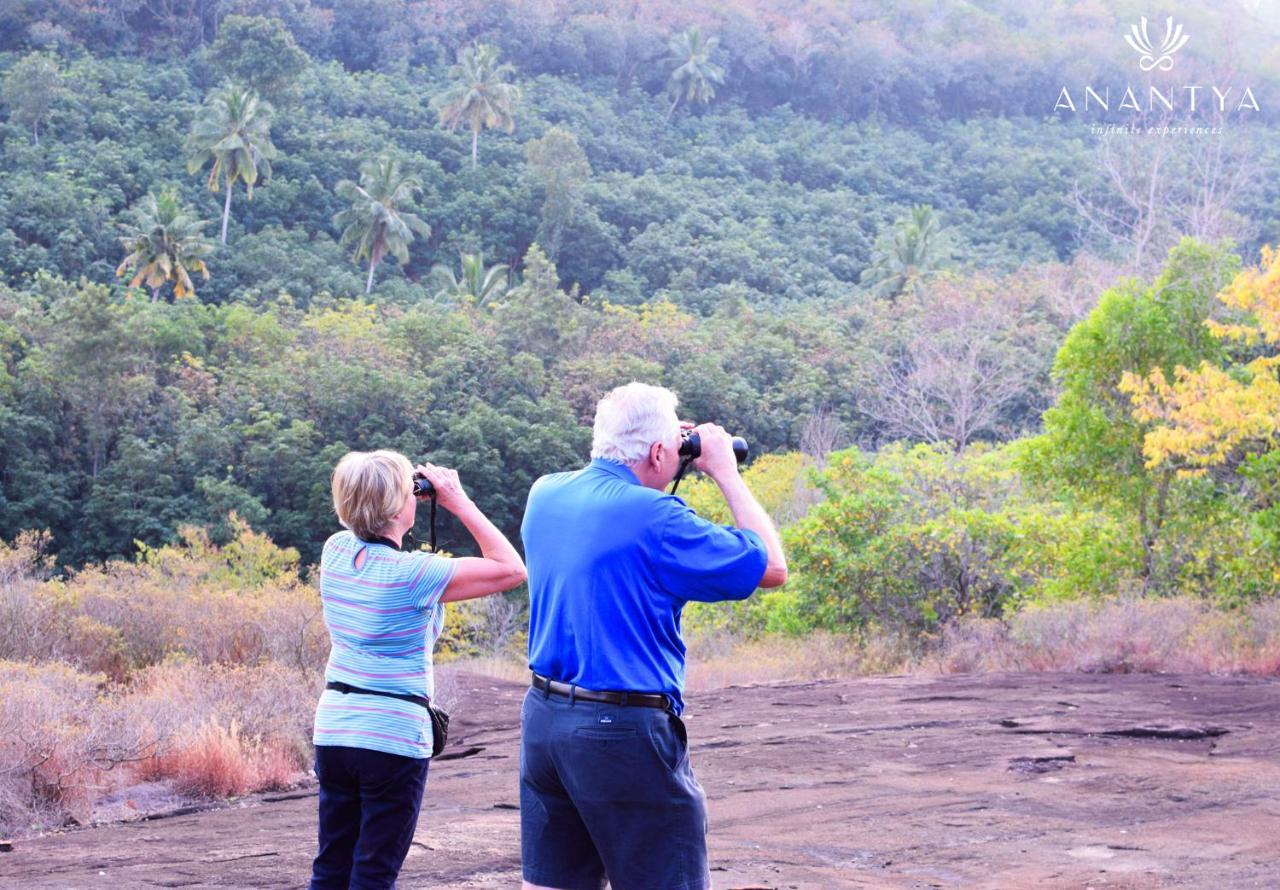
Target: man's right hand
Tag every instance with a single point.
(717, 459)
(720, 463)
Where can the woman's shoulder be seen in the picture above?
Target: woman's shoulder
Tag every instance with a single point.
(413, 561)
(338, 541)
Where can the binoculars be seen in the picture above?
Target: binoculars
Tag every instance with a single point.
(422, 487)
(691, 446)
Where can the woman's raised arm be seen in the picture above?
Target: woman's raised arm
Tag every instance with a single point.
(499, 568)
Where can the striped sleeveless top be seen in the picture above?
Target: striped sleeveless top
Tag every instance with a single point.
(383, 619)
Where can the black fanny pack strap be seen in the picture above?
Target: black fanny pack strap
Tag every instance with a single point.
(347, 689)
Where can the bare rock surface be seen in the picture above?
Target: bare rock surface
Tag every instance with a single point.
(1027, 780)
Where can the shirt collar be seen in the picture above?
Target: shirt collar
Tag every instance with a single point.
(387, 542)
(613, 468)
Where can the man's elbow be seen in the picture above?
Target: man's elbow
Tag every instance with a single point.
(774, 576)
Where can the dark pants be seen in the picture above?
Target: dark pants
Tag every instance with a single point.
(369, 803)
(607, 791)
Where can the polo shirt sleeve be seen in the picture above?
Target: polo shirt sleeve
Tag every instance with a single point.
(429, 575)
(699, 560)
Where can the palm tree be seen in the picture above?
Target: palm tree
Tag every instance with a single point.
(165, 244)
(695, 75)
(479, 95)
(233, 130)
(916, 250)
(374, 222)
(476, 284)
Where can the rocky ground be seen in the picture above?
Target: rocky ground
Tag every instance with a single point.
(1029, 780)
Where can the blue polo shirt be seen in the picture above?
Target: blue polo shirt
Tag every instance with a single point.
(611, 565)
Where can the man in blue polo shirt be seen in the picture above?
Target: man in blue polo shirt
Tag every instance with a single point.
(606, 789)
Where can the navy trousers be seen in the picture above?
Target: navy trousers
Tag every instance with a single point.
(369, 802)
(608, 792)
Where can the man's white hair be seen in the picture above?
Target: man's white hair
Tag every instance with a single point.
(630, 419)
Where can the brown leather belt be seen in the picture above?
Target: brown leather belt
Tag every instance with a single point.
(641, 699)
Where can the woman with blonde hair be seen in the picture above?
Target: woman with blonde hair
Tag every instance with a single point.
(384, 611)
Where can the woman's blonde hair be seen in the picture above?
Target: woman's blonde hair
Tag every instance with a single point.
(369, 487)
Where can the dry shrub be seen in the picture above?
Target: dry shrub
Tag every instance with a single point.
(26, 617)
(221, 761)
(217, 654)
(269, 700)
(239, 604)
(156, 615)
(62, 732)
(1119, 635)
(225, 729)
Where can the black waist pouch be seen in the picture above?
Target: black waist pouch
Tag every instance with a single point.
(439, 729)
(439, 719)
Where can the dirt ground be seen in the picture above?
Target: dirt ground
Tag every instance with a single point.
(1029, 780)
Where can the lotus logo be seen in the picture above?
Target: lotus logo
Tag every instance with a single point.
(1153, 57)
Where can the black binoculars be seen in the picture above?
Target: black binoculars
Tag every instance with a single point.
(422, 487)
(691, 446)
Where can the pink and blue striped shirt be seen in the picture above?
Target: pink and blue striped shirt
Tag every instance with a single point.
(384, 619)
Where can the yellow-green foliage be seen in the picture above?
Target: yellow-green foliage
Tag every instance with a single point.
(1208, 414)
(781, 482)
(487, 627)
(916, 536)
(783, 485)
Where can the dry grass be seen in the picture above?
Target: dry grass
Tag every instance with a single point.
(221, 761)
(1123, 635)
(1120, 635)
(720, 659)
(817, 656)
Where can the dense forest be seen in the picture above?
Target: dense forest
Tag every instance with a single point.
(240, 238)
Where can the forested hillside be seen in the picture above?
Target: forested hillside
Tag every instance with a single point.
(821, 223)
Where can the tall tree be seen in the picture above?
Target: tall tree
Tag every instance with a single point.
(375, 222)
(29, 90)
(954, 364)
(259, 52)
(1092, 444)
(479, 94)
(233, 131)
(558, 164)
(1223, 420)
(165, 245)
(916, 250)
(694, 76)
(476, 283)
